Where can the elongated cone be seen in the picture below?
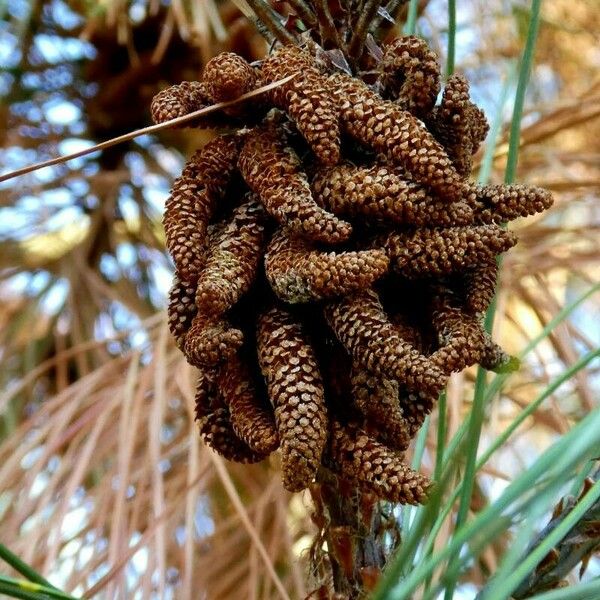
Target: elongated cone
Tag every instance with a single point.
(185, 221)
(461, 334)
(356, 456)
(295, 387)
(306, 99)
(363, 328)
(458, 124)
(398, 135)
(416, 407)
(182, 99)
(382, 194)
(377, 399)
(435, 252)
(410, 74)
(480, 286)
(215, 424)
(299, 273)
(214, 165)
(272, 170)
(501, 203)
(192, 202)
(181, 310)
(233, 260)
(252, 419)
(209, 341)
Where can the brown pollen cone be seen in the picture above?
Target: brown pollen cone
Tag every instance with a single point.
(306, 99)
(410, 74)
(430, 252)
(295, 388)
(361, 325)
(251, 419)
(458, 124)
(377, 399)
(298, 273)
(215, 163)
(461, 335)
(192, 201)
(500, 203)
(398, 135)
(233, 260)
(182, 99)
(480, 286)
(382, 195)
(185, 226)
(272, 170)
(354, 455)
(209, 342)
(181, 309)
(494, 358)
(228, 76)
(215, 424)
(415, 408)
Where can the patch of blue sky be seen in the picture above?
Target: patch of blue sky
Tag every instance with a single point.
(71, 145)
(61, 112)
(6, 82)
(15, 157)
(55, 198)
(203, 522)
(11, 220)
(128, 206)
(70, 215)
(78, 187)
(145, 141)
(137, 167)
(41, 131)
(91, 167)
(171, 161)
(18, 9)
(119, 318)
(10, 55)
(126, 255)
(467, 40)
(109, 267)
(63, 14)
(54, 299)
(49, 79)
(162, 275)
(137, 11)
(56, 49)
(156, 197)
(27, 283)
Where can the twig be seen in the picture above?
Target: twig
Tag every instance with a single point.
(304, 12)
(367, 16)
(382, 23)
(270, 19)
(327, 29)
(144, 131)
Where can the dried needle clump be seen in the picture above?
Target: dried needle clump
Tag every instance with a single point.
(333, 260)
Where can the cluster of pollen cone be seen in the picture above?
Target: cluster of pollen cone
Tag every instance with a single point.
(333, 260)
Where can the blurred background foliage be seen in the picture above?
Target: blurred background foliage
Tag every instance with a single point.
(104, 485)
